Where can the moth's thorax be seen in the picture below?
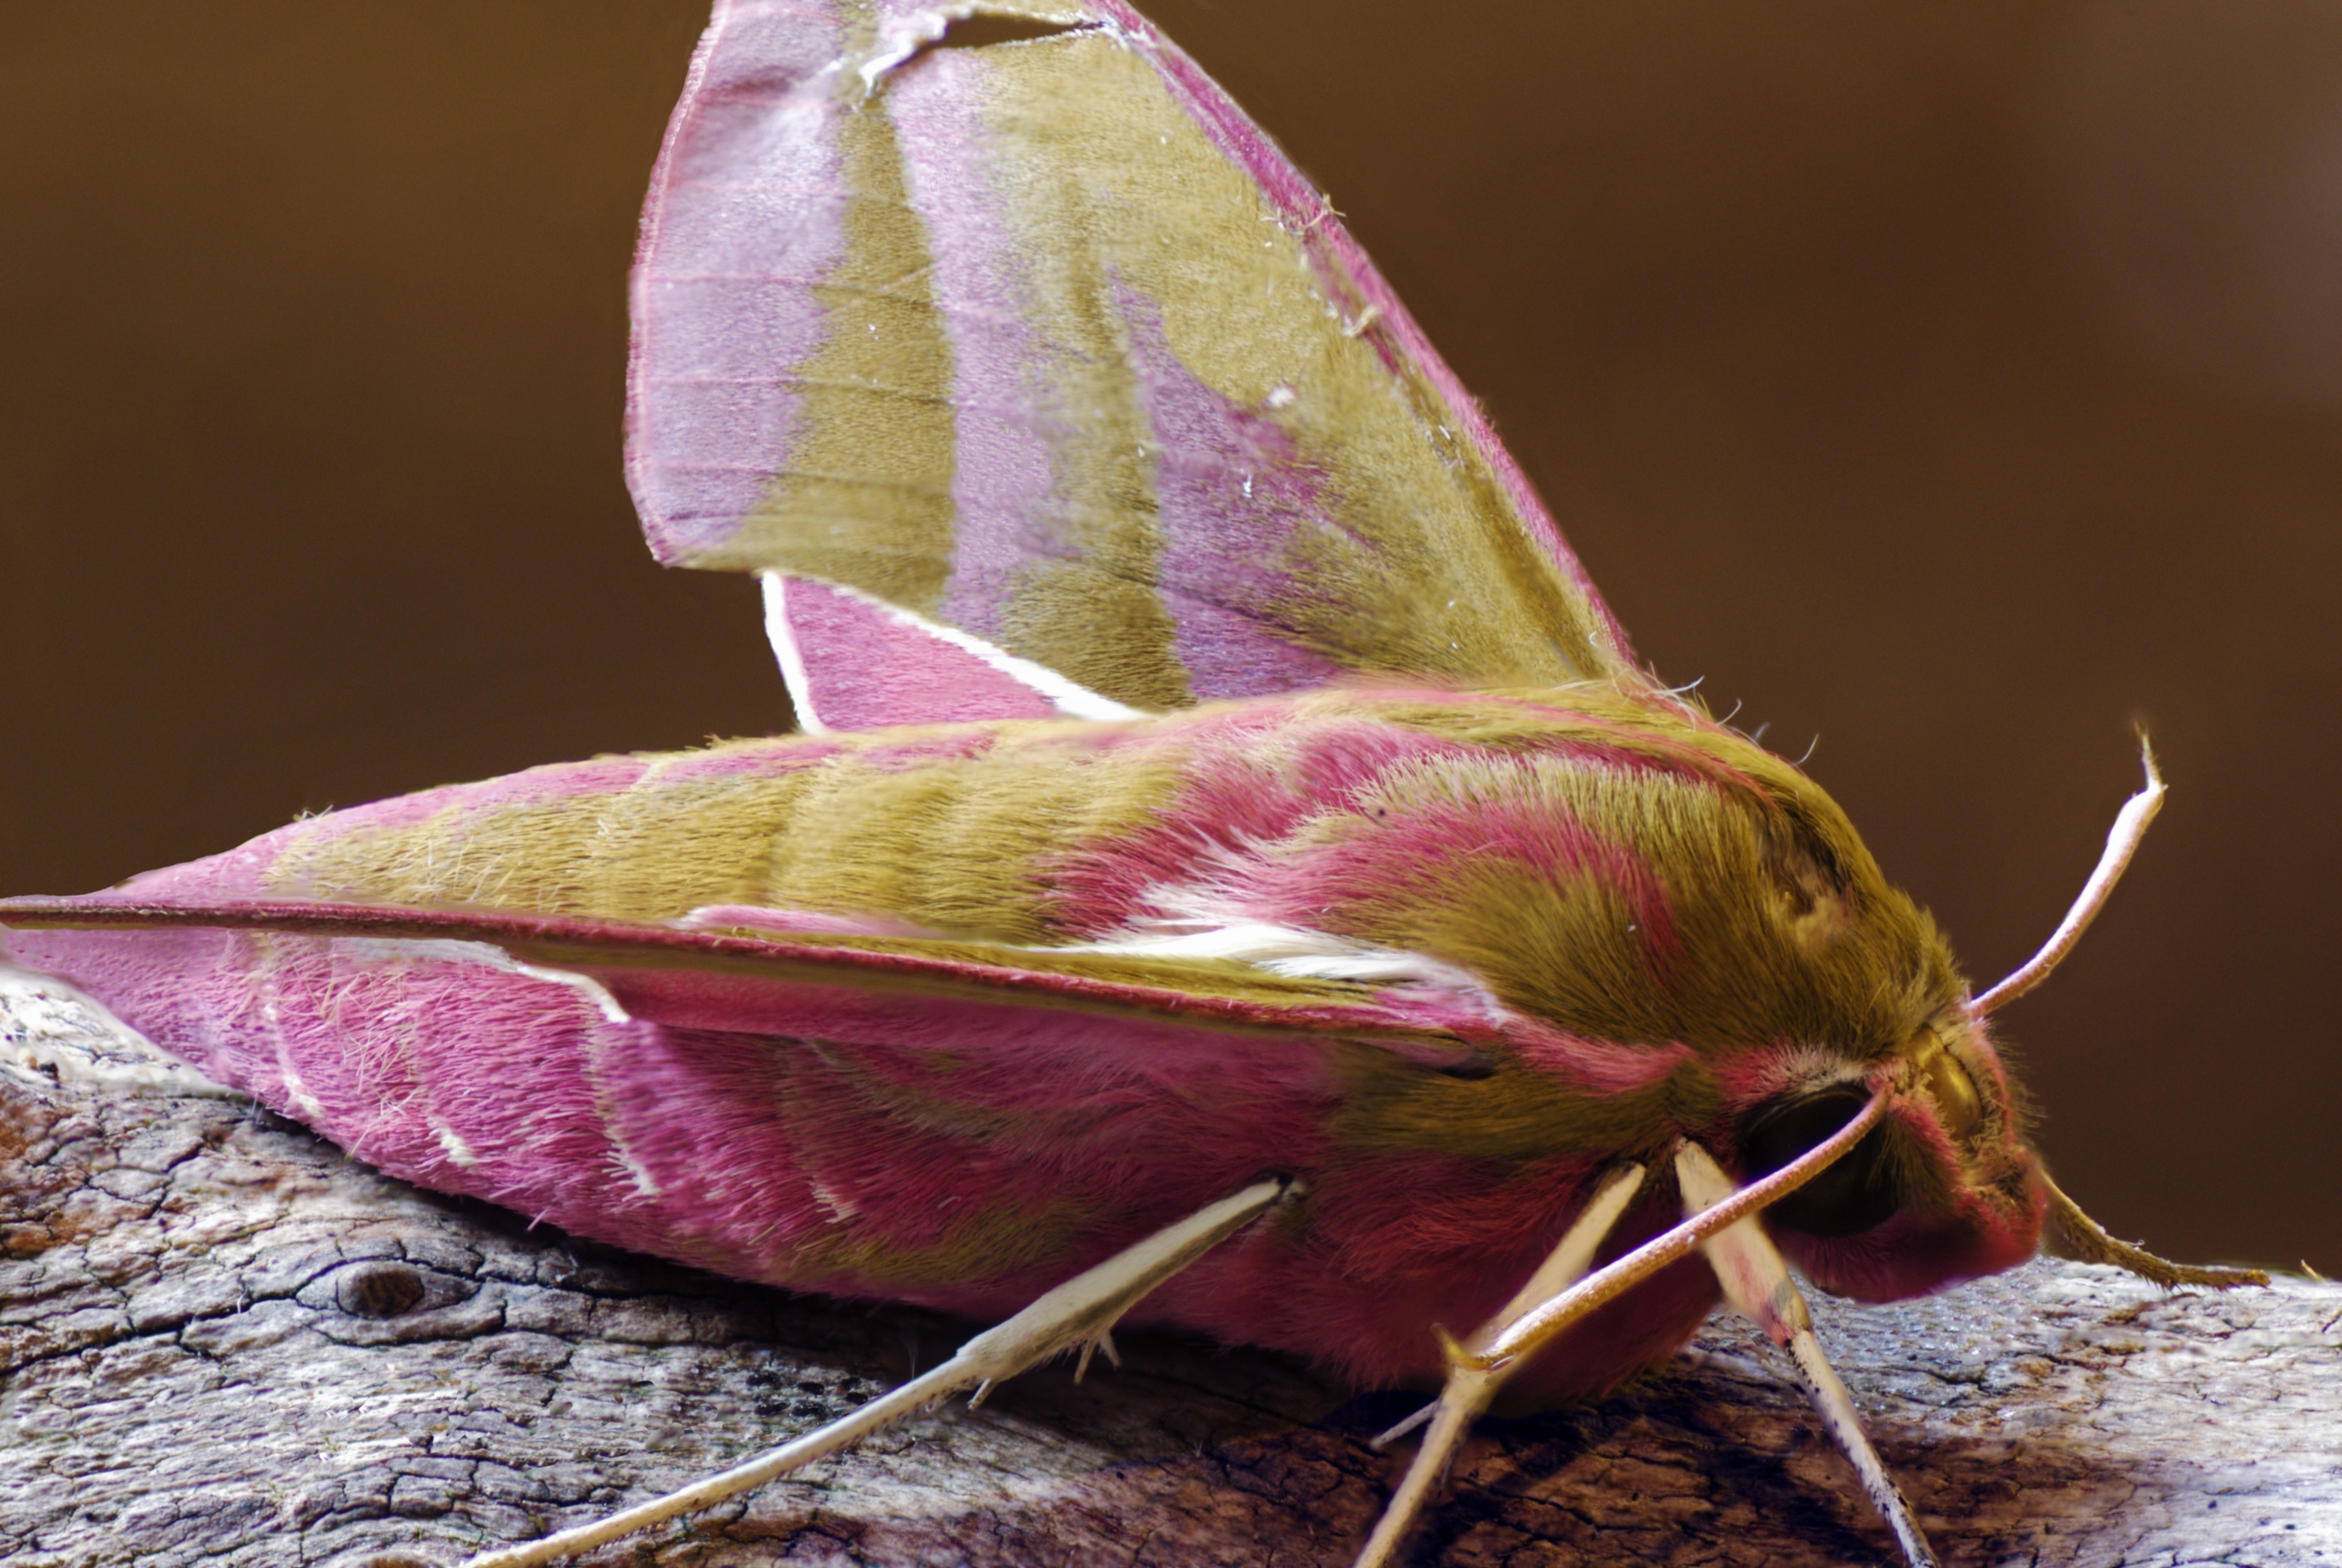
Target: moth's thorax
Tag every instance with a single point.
(1667, 931)
(1651, 927)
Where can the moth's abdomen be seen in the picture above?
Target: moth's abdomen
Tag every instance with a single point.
(643, 837)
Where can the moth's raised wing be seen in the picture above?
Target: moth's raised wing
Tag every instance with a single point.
(1035, 378)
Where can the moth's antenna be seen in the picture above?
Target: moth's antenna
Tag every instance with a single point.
(2081, 1237)
(2121, 843)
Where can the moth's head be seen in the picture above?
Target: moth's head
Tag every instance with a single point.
(1858, 987)
(1943, 1188)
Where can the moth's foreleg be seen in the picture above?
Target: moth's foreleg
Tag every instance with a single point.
(1541, 1324)
(1080, 1312)
(1757, 1284)
(1470, 1387)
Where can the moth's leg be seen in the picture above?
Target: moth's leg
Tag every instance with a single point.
(1469, 1389)
(1079, 1312)
(1616, 1278)
(1757, 1284)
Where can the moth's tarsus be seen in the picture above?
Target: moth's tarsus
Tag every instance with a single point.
(1385, 1439)
(2074, 1234)
(1836, 1407)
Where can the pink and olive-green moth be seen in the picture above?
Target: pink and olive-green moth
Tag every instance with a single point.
(1233, 874)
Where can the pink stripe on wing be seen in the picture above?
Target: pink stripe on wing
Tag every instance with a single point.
(747, 202)
(1001, 480)
(865, 669)
(1234, 494)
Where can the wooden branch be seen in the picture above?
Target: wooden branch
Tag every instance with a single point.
(222, 1342)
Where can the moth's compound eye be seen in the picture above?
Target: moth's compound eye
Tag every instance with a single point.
(1853, 1195)
(1957, 1105)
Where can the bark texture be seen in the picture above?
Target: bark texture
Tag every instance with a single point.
(223, 1343)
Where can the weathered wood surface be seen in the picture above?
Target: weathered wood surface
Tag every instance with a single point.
(223, 1343)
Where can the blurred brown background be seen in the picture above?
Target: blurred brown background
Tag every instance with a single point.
(1959, 382)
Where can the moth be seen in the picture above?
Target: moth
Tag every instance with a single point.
(1234, 873)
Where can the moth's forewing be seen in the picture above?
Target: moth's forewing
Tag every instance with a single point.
(1046, 343)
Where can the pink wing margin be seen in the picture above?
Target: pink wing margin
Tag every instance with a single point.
(724, 970)
(936, 579)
